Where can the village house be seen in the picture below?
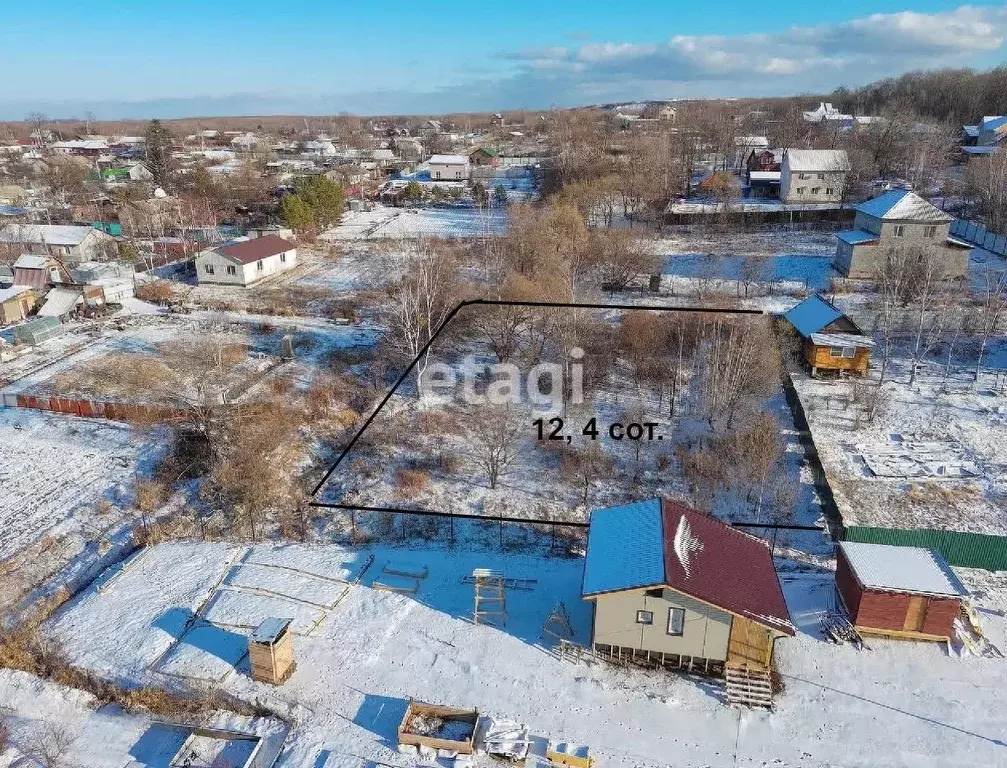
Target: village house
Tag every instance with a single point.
(15, 303)
(831, 341)
(39, 271)
(71, 244)
(246, 261)
(898, 218)
(678, 587)
(813, 175)
(81, 147)
(900, 592)
(449, 168)
(984, 138)
(484, 157)
(668, 113)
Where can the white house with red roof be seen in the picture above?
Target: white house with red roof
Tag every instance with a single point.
(243, 262)
(676, 587)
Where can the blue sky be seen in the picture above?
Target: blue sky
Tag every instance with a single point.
(218, 57)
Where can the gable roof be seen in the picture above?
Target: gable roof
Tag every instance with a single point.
(817, 159)
(664, 543)
(812, 315)
(901, 569)
(50, 234)
(903, 205)
(249, 251)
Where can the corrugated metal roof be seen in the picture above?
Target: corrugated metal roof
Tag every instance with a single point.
(988, 150)
(59, 302)
(6, 294)
(971, 130)
(811, 315)
(50, 234)
(269, 630)
(842, 340)
(903, 205)
(817, 160)
(992, 122)
(32, 261)
(625, 548)
(856, 236)
(901, 569)
(449, 160)
(249, 251)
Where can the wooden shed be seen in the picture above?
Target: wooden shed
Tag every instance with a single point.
(271, 651)
(831, 340)
(900, 592)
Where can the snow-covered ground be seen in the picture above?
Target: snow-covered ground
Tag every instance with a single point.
(371, 650)
(410, 223)
(950, 449)
(41, 713)
(64, 475)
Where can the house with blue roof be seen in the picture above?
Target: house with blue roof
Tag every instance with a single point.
(898, 219)
(674, 587)
(831, 341)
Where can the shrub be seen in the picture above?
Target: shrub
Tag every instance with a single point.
(410, 483)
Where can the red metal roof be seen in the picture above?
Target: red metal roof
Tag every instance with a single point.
(723, 566)
(249, 251)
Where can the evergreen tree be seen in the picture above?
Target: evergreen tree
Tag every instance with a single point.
(158, 144)
(297, 213)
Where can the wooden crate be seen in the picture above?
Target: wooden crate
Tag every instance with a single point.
(271, 651)
(570, 755)
(420, 709)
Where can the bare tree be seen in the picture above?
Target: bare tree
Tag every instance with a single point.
(494, 435)
(925, 281)
(585, 466)
(992, 306)
(49, 743)
(893, 280)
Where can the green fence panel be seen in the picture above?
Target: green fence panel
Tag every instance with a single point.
(967, 550)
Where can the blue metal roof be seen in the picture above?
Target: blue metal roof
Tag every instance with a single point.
(881, 204)
(856, 236)
(971, 130)
(625, 548)
(993, 122)
(987, 150)
(811, 315)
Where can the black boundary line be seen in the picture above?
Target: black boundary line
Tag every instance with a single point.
(423, 351)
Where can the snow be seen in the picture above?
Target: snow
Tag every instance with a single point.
(357, 669)
(55, 472)
(410, 223)
(903, 569)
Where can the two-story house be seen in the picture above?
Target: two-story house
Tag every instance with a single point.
(898, 218)
(813, 175)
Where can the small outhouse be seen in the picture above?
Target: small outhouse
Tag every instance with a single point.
(271, 651)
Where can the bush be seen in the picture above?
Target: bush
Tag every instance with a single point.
(410, 483)
(157, 292)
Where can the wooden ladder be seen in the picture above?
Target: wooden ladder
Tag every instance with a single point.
(748, 685)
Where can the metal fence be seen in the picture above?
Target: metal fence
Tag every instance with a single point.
(977, 234)
(961, 548)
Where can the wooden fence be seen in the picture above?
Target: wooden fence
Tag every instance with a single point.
(95, 409)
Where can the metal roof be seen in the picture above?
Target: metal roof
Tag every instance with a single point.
(449, 160)
(50, 234)
(817, 160)
(903, 205)
(856, 236)
(269, 630)
(901, 569)
(6, 294)
(59, 302)
(811, 315)
(32, 261)
(992, 122)
(764, 176)
(625, 548)
(971, 130)
(663, 543)
(842, 340)
(250, 251)
(986, 150)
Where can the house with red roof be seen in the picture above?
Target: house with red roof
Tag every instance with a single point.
(676, 587)
(243, 262)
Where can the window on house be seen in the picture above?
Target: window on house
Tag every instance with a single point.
(283, 257)
(930, 232)
(208, 268)
(847, 352)
(654, 592)
(803, 176)
(644, 617)
(800, 190)
(900, 230)
(829, 190)
(676, 621)
(821, 176)
(231, 269)
(258, 265)
(814, 190)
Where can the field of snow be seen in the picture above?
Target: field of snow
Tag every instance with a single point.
(38, 712)
(376, 649)
(409, 223)
(56, 472)
(949, 446)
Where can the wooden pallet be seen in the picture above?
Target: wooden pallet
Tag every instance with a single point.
(748, 685)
